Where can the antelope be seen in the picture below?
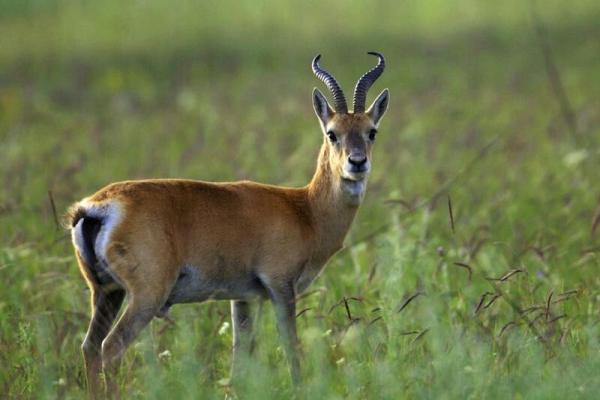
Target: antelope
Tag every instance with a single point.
(161, 242)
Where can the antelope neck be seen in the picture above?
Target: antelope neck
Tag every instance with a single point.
(332, 211)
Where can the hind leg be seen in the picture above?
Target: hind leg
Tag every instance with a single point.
(105, 303)
(140, 310)
(148, 273)
(147, 292)
(105, 307)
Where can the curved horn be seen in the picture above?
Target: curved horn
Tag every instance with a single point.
(333, 86)
(365, 82)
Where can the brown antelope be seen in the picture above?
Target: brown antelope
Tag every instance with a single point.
(168, 241)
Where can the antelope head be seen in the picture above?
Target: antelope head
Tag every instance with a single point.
(349, 136)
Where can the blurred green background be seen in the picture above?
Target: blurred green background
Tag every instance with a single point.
(494, 107)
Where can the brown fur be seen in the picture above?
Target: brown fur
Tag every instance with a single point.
(240, 240)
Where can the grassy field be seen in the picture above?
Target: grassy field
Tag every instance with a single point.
(94, 92)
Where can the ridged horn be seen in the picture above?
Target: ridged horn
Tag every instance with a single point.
(365, 82)
(333, 86)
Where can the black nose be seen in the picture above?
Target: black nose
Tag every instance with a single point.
(357, 161)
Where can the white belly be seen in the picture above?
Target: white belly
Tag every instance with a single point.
(192, 287)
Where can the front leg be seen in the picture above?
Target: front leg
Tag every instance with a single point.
(243, 340)
(284, 302)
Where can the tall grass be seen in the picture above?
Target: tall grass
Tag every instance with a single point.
(420, 303)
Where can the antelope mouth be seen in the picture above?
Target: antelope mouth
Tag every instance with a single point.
(350, 177)
(354, 186)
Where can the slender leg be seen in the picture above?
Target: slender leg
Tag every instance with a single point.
(257, 319)
(105, 307)
(284, 302)
(241, 319)
(139, 312)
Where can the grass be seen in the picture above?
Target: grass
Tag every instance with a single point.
(94, 92)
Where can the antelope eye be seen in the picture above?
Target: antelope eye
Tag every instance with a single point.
(331, 136)
(372, 134)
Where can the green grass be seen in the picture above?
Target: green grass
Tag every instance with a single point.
(93, 92)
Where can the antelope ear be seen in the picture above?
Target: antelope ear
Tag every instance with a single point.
(379, 106)
(322, 107)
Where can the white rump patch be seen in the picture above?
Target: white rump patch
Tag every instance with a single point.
(77, 237)
(110, 214)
